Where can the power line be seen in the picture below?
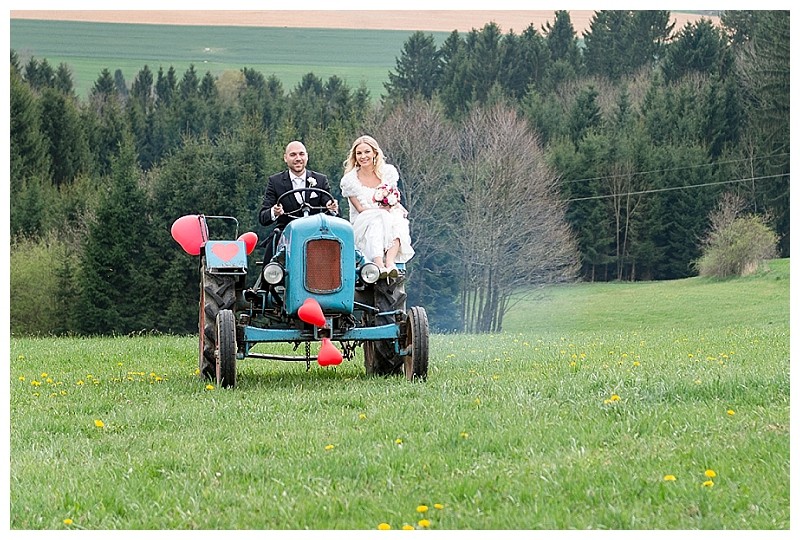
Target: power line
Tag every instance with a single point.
(644, 192)
(688, 167)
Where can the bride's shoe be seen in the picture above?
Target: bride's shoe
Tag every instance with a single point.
(392, 271)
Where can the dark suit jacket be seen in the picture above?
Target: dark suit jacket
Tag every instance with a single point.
(281, 183)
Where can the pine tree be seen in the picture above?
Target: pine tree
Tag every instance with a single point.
(115, 285)
(418, 69)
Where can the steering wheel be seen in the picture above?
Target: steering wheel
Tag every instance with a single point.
(305, 208)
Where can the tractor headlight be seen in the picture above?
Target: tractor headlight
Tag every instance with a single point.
(273, 273)
(370, 273)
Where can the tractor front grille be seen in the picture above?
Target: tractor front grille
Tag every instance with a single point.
(323, 266)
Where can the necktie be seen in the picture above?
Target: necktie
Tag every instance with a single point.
(298, 183)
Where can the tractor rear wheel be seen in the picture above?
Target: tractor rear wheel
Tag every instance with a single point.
(415, 364)
(217, 292)
(379, 356)
(226, 349)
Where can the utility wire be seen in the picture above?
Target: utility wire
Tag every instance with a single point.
(773, 176)
(688, 167)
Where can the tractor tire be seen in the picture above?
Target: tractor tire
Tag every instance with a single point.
(415, 365)
(216, 293)
(379, 356)
(226, 349)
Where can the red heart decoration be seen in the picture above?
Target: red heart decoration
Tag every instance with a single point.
(329, 355)
(250, 240)
(190, 232)
(225, 252)
(311, 312)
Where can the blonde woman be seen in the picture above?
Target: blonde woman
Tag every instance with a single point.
(379, 221)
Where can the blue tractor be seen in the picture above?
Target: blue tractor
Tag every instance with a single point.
(317, 287)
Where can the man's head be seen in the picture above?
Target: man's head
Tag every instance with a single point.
(296, 157)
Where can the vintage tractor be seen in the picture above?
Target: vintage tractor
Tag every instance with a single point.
(316, 288)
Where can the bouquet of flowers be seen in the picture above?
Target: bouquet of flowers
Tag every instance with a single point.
(386, 195)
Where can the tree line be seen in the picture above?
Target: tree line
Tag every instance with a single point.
(524, 159)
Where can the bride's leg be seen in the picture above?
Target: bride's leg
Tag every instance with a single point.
(392, 252)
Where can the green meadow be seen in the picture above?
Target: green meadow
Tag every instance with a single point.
(601, 406)
(355, 56)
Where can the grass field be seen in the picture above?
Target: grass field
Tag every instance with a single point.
(673, 414)
(355, 56)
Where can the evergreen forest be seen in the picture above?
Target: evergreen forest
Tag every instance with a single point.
(525, 159)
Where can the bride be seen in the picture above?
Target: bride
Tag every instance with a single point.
(380, 222)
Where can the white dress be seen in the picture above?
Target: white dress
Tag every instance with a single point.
(375, 228)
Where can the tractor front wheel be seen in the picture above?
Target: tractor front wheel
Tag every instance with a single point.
(217, 292)
(415, 364)
(226, 349)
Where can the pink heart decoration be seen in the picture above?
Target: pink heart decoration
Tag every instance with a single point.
(225, 252)
(250, 240)
(329, 355)
(311, 312)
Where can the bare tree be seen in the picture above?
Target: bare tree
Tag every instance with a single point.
(622, 183)
(512, 232)
(418, 139)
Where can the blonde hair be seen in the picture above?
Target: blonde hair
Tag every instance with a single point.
(350, 163)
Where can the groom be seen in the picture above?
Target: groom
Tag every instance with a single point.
(295, 177)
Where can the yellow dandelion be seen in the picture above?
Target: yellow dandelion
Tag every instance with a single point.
(422, 509)
(209, 387)
(408, 527)
(731, 412)
(362, 416)
(477, 401)
(636, 364)
(99, 423)
(708, 483)
(710, 473)
(398, 441)
(22, 378)
(67, 522)
(36, 383)
(80, 382)
(43, 375)
(614, 397)
(330, 447)
(424, 523)
(669, 478)
(464, 435)
(384, 526)
(438, 506)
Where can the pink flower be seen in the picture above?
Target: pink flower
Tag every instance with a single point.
(386, 195)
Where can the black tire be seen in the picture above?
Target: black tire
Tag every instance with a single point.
(379, 356)
(216, 293)
(415, 365)
(226, 349)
